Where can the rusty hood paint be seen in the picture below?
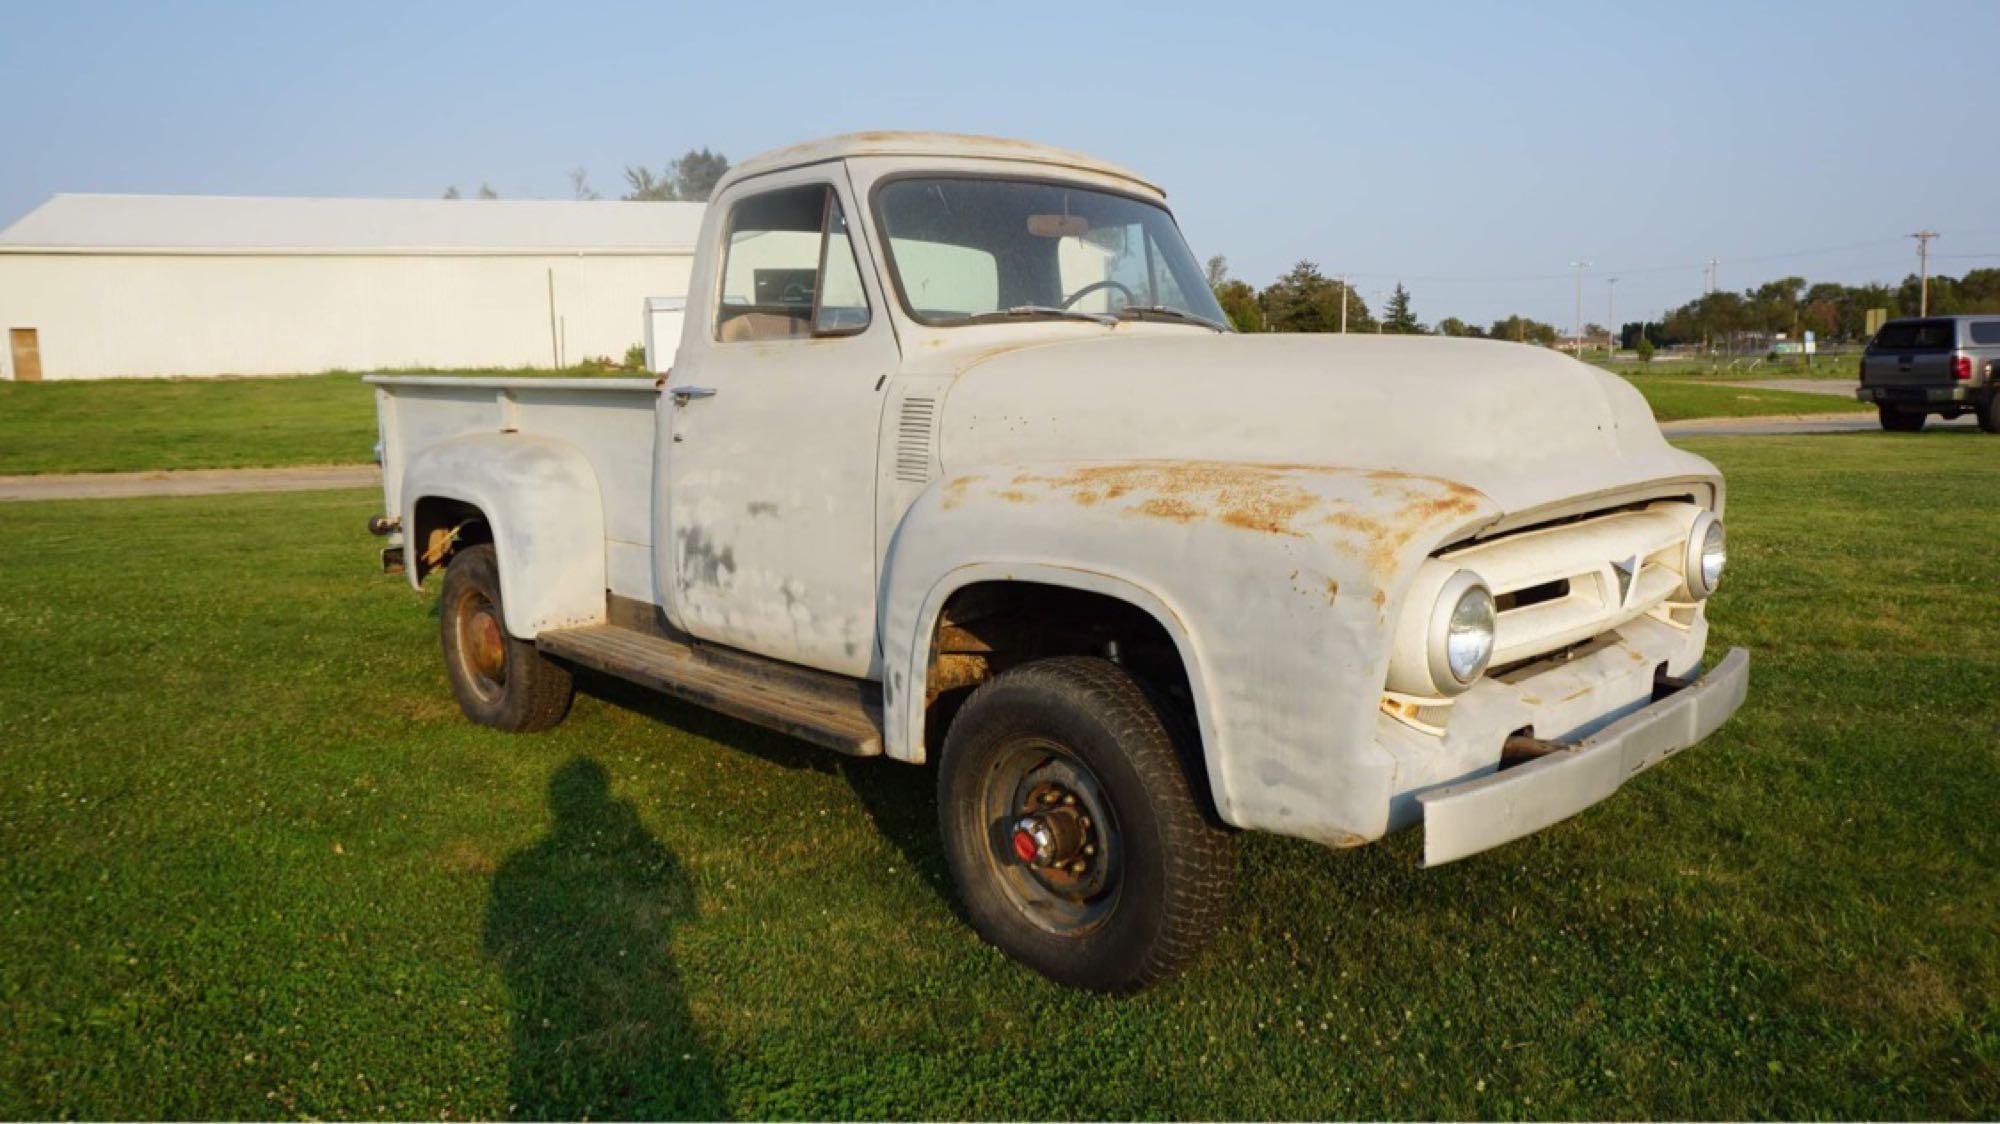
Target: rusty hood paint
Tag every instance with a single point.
(1525, 426)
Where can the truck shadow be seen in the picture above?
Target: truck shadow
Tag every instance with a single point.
(899, 799)
(580, 923)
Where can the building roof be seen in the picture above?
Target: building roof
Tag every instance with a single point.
(274, 225)
(954, 145)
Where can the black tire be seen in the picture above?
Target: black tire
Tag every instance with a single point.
(1900, 421)
(1989, 414)
(500, 681)
(1165, 863)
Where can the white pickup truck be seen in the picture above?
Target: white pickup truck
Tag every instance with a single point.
(958, 460)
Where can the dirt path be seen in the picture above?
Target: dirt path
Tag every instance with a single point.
(193, 482)
(319, 478)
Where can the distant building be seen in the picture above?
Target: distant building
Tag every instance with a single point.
(97, 286)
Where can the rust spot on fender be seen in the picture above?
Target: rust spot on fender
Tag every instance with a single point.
(1332, 591)
(954, 491)
(1284, 500)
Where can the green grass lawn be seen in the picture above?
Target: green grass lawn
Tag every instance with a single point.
(133, 425)
(1678, 399)
(254, 864)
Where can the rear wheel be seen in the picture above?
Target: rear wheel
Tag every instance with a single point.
(1077, 842)
(1900, 421)
(500, 681)
(1989, 413)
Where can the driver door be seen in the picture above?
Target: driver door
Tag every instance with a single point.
(768, 498)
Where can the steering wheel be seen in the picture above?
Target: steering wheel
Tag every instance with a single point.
(1130, 297)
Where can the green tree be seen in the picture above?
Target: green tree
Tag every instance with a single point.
(1521, 329)
(1397, 319)
(1306, 300)
(1644, 348)
(692, 177)
(1453, 326)
(486, 192)
(1239, 302)
(451, 192)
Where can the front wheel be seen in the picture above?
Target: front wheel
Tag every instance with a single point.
(1989, 413)
(1900, 421)
(500, 681)
(1078, 843)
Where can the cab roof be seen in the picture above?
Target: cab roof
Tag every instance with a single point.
(945, 145)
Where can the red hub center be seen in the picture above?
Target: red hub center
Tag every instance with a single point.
(1025, 847)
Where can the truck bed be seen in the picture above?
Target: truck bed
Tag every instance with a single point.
(611, 421)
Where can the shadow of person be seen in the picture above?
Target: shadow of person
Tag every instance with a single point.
(580, 924)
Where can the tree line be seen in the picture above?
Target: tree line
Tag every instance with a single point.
(690, 178)
(1830, 310)
(1307, 300)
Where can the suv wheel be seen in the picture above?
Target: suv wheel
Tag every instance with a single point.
(1900, 421)
(1077, 842)
(1989, 413)
(500, 681)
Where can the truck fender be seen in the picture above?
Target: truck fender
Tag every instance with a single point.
(1279, 585)
(541, 501)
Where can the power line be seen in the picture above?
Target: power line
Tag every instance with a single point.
(1682, 267)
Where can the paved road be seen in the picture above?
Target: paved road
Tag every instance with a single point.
(1839, 388)
(1791, 424)
(196, 482)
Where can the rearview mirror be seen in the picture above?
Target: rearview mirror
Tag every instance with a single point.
(1058, 226)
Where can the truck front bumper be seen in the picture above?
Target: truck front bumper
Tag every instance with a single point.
(1464, 819)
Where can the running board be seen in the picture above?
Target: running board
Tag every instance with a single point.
(833, 711)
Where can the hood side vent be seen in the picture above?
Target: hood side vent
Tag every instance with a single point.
(914, 431)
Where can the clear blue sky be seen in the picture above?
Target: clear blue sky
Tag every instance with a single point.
(1426, 142)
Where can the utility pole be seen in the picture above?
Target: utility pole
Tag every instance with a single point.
(1343, 306)
(1709, 272)
(1610, 316)
(1923, 238)
(1580, 267)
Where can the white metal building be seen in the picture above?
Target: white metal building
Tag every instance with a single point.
(97, 286)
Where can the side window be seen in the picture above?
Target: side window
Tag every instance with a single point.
(789, 270)
(1986, 331)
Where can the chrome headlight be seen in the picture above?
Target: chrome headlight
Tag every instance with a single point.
(1445, 636)
(1707, 552)
(1468, 633)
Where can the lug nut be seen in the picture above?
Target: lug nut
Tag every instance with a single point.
(1090, 848)
(1076, 867)
(1069, 799)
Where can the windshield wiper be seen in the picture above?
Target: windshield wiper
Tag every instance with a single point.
(1022, 311)
(1145, 311)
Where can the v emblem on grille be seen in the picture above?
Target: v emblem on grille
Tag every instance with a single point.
(1628, 572)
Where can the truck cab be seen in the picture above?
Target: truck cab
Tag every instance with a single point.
(959, 463)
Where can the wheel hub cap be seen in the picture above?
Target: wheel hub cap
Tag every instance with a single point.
(489, 651)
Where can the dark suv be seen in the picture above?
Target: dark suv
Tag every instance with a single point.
(1934, 365)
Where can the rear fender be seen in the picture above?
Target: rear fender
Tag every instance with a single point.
(541, 500)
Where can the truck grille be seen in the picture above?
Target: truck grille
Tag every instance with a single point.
(1560, 585)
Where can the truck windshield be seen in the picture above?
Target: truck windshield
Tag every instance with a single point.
(980, 250)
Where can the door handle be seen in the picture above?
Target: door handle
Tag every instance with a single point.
(685, 394)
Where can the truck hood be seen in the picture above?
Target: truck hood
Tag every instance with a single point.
(1530, 428)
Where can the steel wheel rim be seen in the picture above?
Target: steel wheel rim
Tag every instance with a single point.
(482, 643)
(1016, 788)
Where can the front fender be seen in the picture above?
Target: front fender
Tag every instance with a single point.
(1279, 584)
(541, 500)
